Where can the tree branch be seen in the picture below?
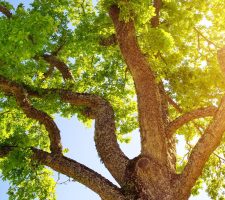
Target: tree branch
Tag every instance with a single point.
(22, 99)
(202, 150)
(5, 11)
(155, 20)
(205, 38)
(148, 96)
(180, 110)
(60, 65)
(105, 130)
(189, 116)
(174, 104)
(75, 170)
(51, 59)
(209, 141)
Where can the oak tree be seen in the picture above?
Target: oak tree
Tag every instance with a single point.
(156, 65)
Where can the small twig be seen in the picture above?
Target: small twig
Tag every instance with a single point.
(64, 182)
(162, 58)
(5, 112)
(203, 36)
(83, 9)
(49, 72)
(220, 158)
(180, 110)
(199, 45)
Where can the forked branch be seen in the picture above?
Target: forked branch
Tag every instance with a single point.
(51, 59)
(99, 109)
(111, 40)
(22, 99)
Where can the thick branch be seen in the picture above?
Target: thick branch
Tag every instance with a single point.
(60, 65)
(5, 11)
(202, 150)
(22, 99)
(105, 137)
(155, 20)
(75, 170)
(148, 96)
(187, 117)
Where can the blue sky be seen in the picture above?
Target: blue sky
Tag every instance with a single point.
(81, 144)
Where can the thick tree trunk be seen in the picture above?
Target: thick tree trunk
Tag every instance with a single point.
(148, 180)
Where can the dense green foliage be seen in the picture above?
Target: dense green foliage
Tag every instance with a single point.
(182, 50)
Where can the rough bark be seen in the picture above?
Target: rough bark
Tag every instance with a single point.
(98, 109)
(148, 96)
(75, 170)
(150, 173)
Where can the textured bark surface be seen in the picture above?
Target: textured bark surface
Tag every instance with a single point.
(149, 103)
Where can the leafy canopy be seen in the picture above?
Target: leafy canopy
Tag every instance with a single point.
(181, 50)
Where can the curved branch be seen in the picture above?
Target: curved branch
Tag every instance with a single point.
(75, 170)
(105, 130)
(51, 59)
(189, 116)
(22, 99)
(202, 150)
(150, 115)
(5, 11)
(60, 65)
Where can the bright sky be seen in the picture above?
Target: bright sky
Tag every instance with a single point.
(82, 148)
